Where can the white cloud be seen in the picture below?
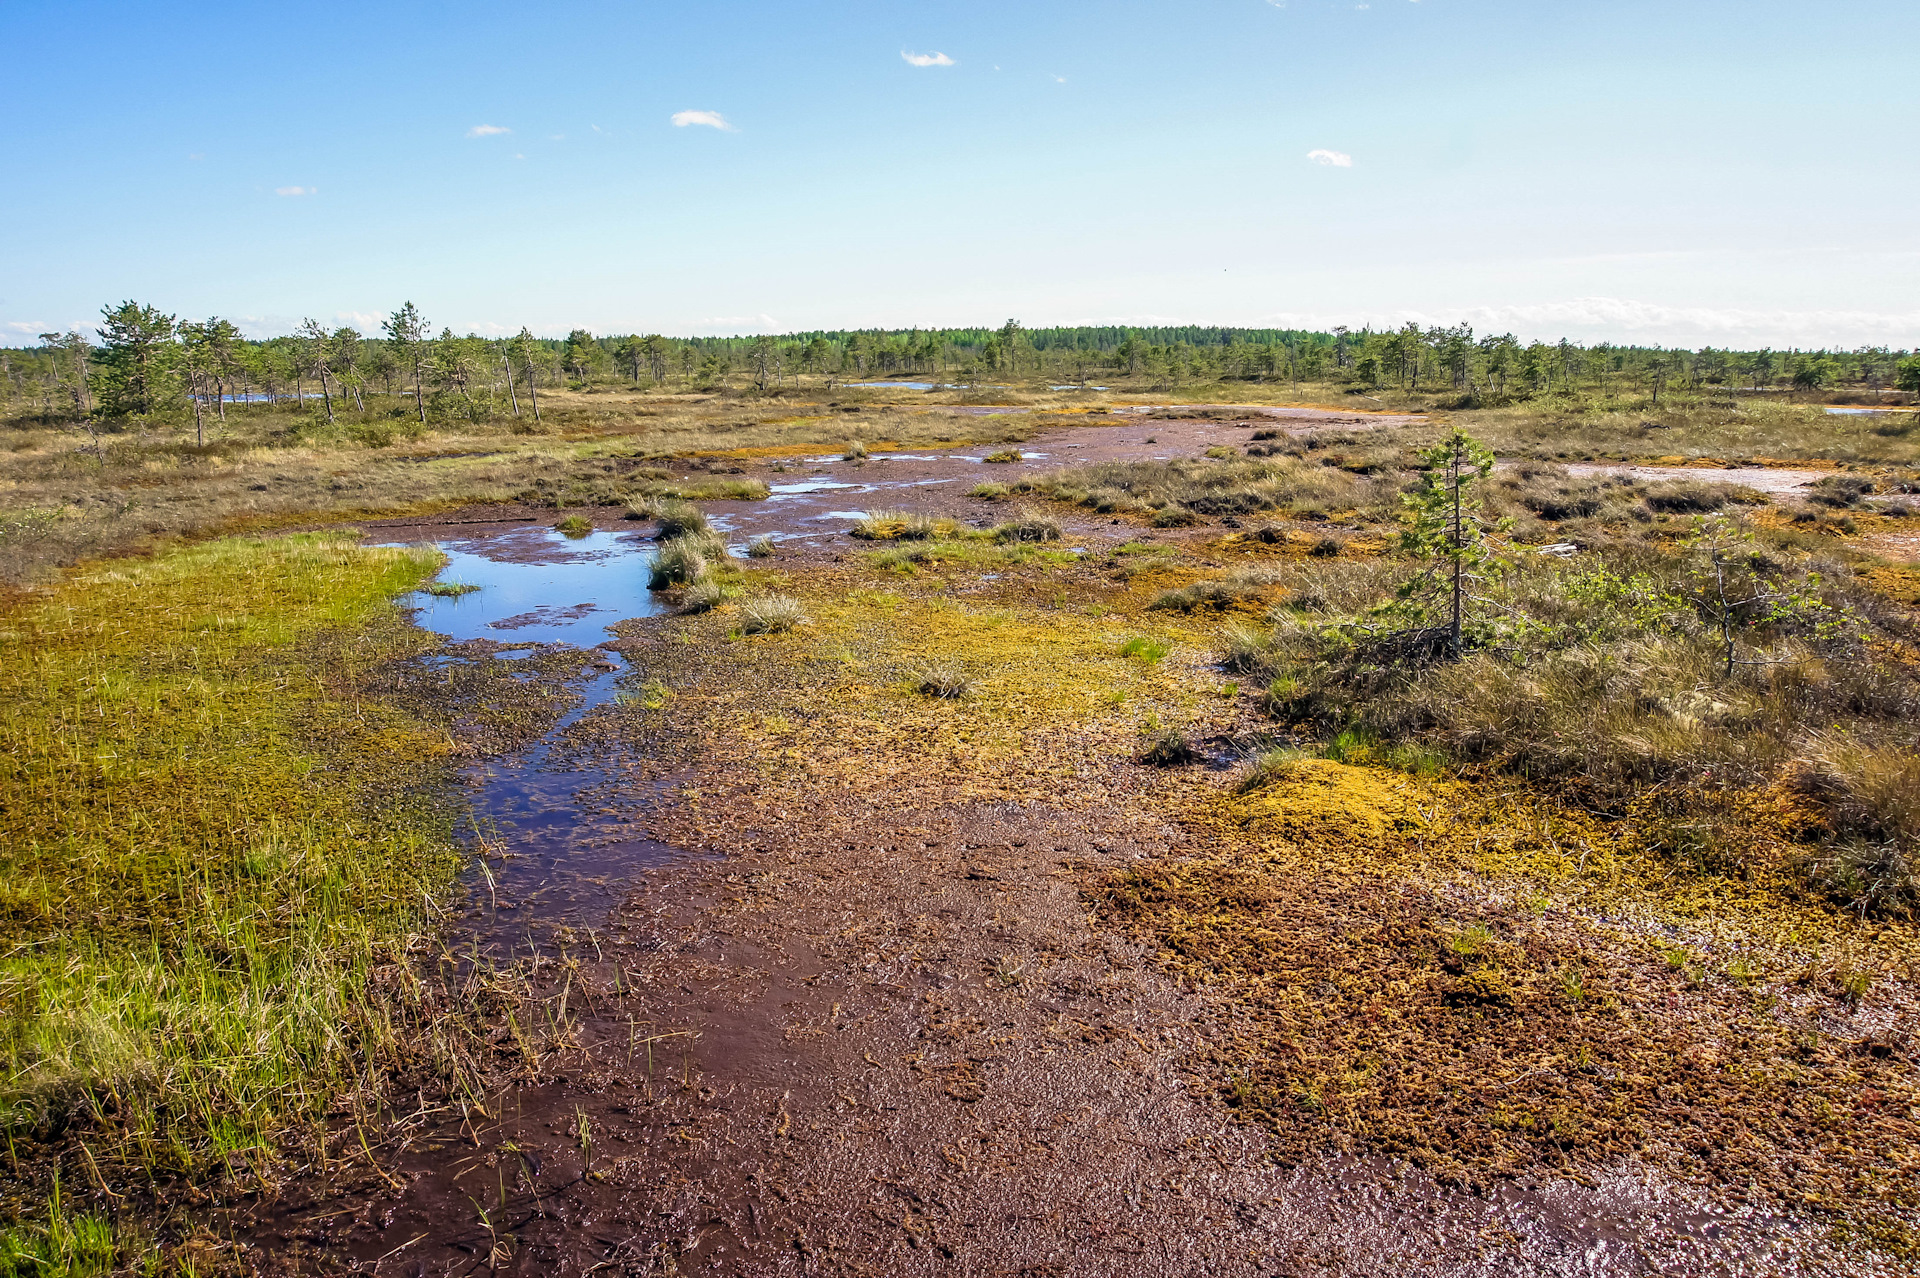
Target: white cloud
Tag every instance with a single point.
(487, 130)
(1059, 79)
(1594, 319)
(927, 59)
(711, 119)
(360, 319)
(296, 190)
(36, 327)
(1331, 159)
(724, 325)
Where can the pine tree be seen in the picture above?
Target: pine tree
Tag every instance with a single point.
(406, 334)
(138, 359)
(1444, 523)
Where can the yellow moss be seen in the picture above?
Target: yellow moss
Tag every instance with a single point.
(1902, 584)
(1318, 801)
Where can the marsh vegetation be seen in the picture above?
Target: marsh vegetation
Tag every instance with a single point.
(1511, 735)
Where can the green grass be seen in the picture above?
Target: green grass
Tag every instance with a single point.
(713, 488)
(206, 844)
(1146, 649)
(67, 1245)
(448, 589)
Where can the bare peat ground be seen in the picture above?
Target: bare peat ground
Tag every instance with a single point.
(852, 1011)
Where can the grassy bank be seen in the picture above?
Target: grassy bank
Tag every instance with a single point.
(208, 849)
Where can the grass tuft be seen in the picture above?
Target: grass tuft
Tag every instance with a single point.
(1029, 525)
(771, 615)
(943, 680)
(898, 525)
(681, 561)
(675, 517)
(1166, 747)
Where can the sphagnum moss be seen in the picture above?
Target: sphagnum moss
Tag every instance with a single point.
(202, 851)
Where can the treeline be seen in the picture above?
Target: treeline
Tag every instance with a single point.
(1413, 358)
(147, 363)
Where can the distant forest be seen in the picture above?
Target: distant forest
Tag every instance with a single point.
(145, 362)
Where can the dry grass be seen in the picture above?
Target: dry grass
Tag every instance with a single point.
(1177, 490)
(771, 615)
(63, 498)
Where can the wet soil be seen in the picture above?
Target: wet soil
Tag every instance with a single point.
(890, 1043)
(865, 1032)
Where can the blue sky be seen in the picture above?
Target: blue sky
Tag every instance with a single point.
(1695, 171)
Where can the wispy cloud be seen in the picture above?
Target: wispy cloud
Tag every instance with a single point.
(487, 130)
(708, 119)
(728, 324)
(927, 59)
(1331, 159)
(362, 320)
(36, 327)
(1626, 319)
(296, 190)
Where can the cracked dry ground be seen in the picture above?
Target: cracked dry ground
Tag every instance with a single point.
(871, 1022)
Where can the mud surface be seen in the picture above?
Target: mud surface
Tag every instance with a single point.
(1774, 481)
(877, 1031)
(909, 1054)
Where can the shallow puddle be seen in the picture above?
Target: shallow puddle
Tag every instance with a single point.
(537, 586)
(556, 850)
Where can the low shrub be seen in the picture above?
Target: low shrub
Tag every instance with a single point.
(1174, 516)
(1003, 456)
(1839, 491)
(574, 526)
(1682, 497)
(760, 548)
